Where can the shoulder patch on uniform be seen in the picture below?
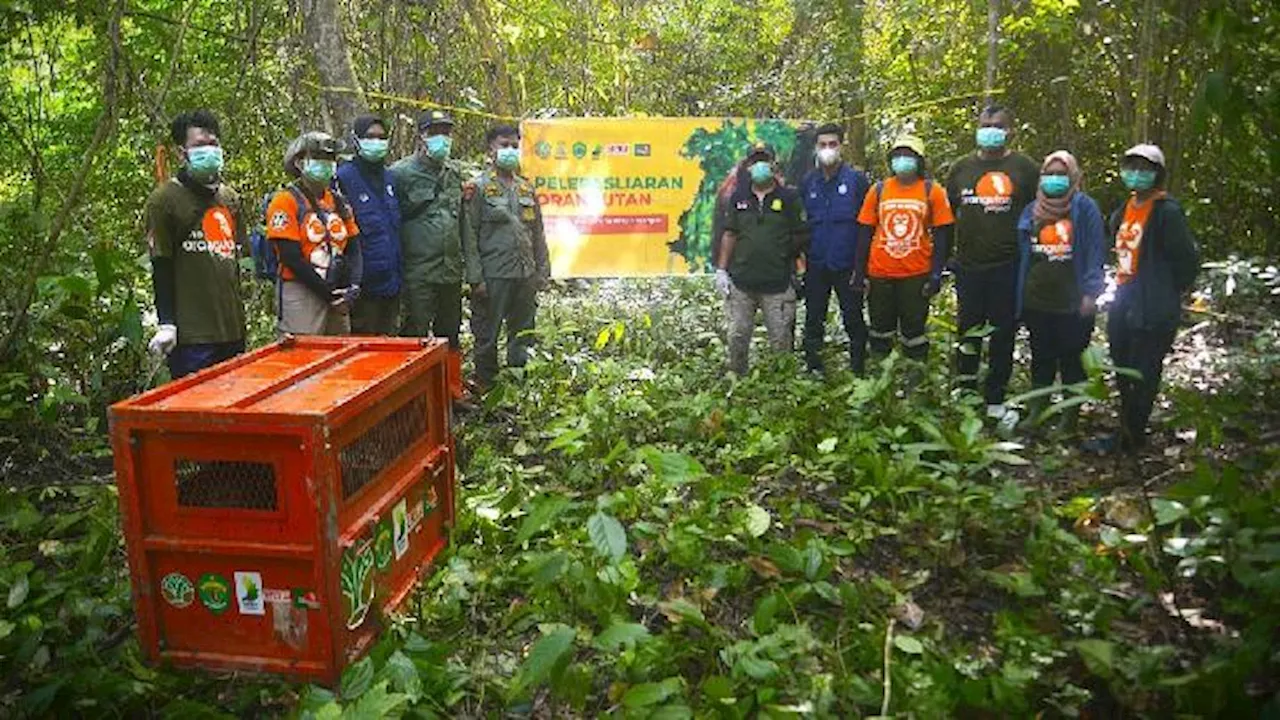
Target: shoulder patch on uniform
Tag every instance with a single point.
(776, 205)
(279, 220)
(492, 190)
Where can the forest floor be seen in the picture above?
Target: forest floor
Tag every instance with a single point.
(639, 535)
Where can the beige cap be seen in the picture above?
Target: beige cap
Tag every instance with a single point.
(1147, 151)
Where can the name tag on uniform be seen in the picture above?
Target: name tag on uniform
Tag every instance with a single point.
(776, 206)
(743, 205)
(843, 189)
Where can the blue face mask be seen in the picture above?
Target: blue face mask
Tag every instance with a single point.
(319, 171)
(373, 149)
(204, 161)
(761, 172)
(991, 138)
(1138, 180)
(904, 164)
(1055, 185)
(438, 146)
(507, 158)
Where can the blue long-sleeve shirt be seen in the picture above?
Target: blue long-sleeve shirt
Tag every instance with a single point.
(831, 208)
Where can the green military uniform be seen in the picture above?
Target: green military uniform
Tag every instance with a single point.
(432, 235)
(507, 251)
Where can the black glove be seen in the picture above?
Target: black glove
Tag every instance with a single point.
(932, 286)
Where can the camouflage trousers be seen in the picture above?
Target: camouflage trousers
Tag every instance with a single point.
(779, 311)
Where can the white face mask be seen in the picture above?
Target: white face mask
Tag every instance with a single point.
(828, 156)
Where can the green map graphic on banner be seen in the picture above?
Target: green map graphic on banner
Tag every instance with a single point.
(718, 153)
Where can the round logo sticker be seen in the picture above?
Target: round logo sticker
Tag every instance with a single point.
(177, 590)
(382, 545)
(215, 593)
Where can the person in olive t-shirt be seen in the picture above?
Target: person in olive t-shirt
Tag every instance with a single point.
(764, 232)
(988, 191)
(194, 236)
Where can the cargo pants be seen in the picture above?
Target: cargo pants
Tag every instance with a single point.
(779, 311)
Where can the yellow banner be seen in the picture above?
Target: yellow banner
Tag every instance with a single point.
(636, 196)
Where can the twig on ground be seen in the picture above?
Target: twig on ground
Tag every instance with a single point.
(888, 664)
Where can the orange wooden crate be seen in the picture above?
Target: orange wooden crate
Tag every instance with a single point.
(276, 504)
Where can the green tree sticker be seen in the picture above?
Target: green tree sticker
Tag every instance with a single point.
(177, 590)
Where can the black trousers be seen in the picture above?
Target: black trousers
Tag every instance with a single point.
(1057, 341)
(1144, 350)
(898, 307)
(987, 297)
(818, 284)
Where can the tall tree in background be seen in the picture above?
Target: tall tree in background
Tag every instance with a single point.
(322, 22)
(993, 47)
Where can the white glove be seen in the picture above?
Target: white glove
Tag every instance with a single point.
(724, 284)
(164, 340)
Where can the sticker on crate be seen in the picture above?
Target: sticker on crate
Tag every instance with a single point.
(306, 598)
(249, 593)
(416, 512)
(357, 582)
(177, 590)
(400, 527)
(382, 545)
(429, 499)
(215, 593)
(273, 596)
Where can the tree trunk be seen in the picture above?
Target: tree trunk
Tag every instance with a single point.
(993, 40)
(343, 96)
(855, 108)
(495, 61)
(1142, 107)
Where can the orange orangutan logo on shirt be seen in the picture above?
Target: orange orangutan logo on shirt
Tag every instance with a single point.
(1129, 237)
(219, 232)
(994, 192)
(902, 217)
(1054, 241)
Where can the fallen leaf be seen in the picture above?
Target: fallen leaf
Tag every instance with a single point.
(764, 567)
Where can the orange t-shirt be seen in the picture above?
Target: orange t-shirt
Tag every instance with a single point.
(1129, 237)
(282, 224)
(903, 217)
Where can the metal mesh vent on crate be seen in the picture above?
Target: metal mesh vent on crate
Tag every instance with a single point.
(225, 484)
(382, 444)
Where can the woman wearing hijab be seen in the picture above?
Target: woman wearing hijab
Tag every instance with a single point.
(1060, 243)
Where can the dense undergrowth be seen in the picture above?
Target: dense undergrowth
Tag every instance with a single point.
(640, 536)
